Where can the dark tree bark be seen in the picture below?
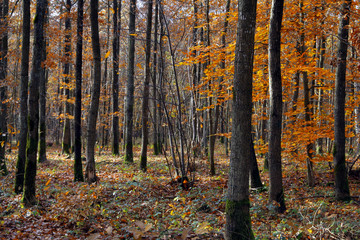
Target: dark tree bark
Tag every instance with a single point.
(78, 170)
(42, 102)
(4, 9)
(115, 85)
(341, 181)
(255, 179)
(156, 136)
(238, 222)
(276, 188)
(145, 104)
(66, 141)
(33, 108)
(307, 102)
(25, 53)
(129, 101)
(90, 171)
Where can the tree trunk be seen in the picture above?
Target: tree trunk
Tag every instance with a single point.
(238, 222)
(42, 102)
(341, 181)
(307, 102)
(215, 122)
(90, 171)
(145, 105)
(276, 188)
(4, 9)
(115, 86)
(156, 135)
(78, 170)
(33, 110)
(25, 53)
(194, 98)
(129, 101)
(66, 141)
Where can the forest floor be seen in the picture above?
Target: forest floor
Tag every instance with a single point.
(129, 204)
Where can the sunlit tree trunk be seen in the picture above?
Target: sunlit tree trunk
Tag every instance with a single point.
(129, 100)
(341, 181)
(276, 188)
(66, 140)
(29, 197)
(238, 222)
(115, 85)
(90, 171)
(145, 104)
(78, 170)
(25, 53)
(4, 8)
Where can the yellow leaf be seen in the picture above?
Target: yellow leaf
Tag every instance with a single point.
(107, 55)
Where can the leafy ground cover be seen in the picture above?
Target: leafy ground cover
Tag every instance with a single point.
(129, 204)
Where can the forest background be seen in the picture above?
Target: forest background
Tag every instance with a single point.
(182, 90)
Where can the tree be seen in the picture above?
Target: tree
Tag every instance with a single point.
(214, 123)
(238, 222)
(29, 197)
(90, 171)
(145, 103)
(78, 172)
(66, 141)
(341, 182)
(156, 135)
(276, 189)
(115, 86)
(25, 53)
(129, 101)
(42, 102)
(4, 9)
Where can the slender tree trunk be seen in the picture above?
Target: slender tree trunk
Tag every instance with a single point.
(307, 102)
(25, 53)
(145, 104)
(115, 87)
(276, 188)
(66, 141)
(215, 122)
(156, 135)
(42, 101)
(238, 222)
(322, 45)
(129, 101)
(4, 8)
(78, 169)
(341, 181)
(90, 171)
(194, 99)
(33, 110)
